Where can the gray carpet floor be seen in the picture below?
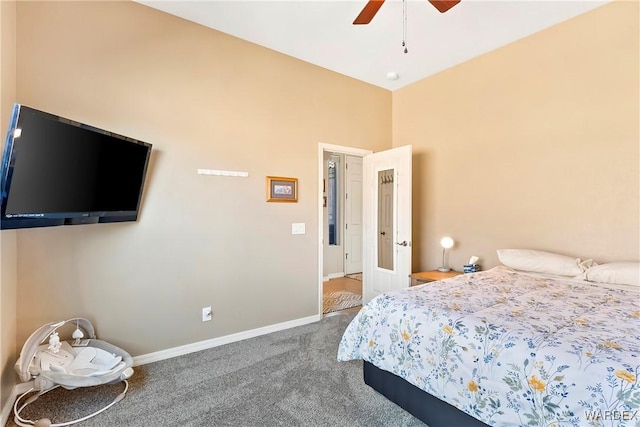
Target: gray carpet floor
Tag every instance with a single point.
(287, 378)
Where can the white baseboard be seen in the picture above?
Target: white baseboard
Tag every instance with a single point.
(18, 389)
(215, 342)
(335, 275)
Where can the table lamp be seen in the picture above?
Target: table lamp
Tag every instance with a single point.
(446, 243)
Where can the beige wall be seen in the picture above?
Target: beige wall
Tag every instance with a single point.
(534, 145)
(204, 100)
(8, 249)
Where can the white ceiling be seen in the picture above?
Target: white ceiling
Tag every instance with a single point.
(322, 33)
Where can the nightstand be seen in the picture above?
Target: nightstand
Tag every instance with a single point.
(430, 276)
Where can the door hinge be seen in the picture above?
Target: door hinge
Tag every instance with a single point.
(346, 256)
(346, 196)
(346, 226)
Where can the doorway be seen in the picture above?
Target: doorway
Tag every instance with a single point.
(384, 269)
(340, 222)
(342, 210)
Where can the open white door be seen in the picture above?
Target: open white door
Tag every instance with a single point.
(387, 221)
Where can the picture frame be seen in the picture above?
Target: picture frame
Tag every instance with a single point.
(282, 189)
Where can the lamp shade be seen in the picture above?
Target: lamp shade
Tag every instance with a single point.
(446, 242)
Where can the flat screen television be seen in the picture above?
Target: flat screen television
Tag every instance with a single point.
(56, 171)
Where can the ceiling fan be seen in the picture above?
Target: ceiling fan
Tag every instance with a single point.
(371, 8)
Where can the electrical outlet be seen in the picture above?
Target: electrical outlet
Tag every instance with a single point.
(207, 314)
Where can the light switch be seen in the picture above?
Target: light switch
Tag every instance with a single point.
(297, 228)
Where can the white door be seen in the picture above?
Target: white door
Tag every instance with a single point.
(387, 221)
(353, 215)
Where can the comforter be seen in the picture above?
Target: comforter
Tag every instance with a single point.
(510, 349)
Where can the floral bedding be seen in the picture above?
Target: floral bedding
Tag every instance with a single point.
(510, 349)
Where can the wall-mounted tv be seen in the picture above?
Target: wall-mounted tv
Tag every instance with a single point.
(56, 171)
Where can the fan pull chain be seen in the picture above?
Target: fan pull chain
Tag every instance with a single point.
(404, 26)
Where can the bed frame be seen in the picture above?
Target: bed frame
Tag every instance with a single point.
(427, 408)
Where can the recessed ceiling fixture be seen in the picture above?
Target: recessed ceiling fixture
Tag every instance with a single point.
(392, 75)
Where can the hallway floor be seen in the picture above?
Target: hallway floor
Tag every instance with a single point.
(342, 284)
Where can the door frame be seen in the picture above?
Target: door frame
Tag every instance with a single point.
(322, 148)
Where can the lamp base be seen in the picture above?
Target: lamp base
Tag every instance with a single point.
(444, 269)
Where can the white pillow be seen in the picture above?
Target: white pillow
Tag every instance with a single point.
(540, 262)
(619, 273)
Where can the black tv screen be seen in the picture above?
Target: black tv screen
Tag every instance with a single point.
(56, 171)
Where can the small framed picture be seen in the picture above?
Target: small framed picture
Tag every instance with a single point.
(281, 189)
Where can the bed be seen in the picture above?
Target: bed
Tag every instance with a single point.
(504, 348)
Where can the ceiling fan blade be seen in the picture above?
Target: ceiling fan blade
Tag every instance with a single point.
(368, 12)
(444, 5)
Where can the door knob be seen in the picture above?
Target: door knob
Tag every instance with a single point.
(383, 233)
(403, 243)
